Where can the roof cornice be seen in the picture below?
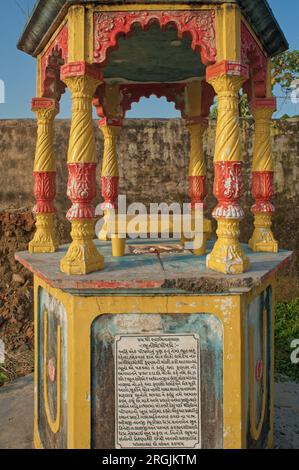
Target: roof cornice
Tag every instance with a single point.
(257, 13)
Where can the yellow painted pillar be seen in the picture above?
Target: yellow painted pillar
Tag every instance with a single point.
(262, 177)
(227, 256)
(82, 257)
(197, 177)
(44, 240)
(196, 109)
(197, 165)
(110, 173)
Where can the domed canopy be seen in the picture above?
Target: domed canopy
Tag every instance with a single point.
(257, 12)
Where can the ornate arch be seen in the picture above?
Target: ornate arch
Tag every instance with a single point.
(132, 93)
(51, 61)
(252, 54)
(172, 92)
(199, 24)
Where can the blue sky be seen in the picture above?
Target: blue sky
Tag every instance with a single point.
(17, 70)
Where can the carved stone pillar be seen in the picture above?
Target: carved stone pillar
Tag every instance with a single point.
(227, 255)
(262, 177)
(197, 165)
(44, 240)
(110, 174)
(82, 257)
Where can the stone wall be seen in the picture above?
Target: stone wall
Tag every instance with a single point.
(153, 157)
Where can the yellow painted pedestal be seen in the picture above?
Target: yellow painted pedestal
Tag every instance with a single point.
(79, 321)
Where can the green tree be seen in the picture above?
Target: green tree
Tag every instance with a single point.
(285, 72)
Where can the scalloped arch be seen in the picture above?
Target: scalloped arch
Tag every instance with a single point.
(199, 24)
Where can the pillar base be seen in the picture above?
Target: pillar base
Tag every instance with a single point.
(227, 256)
(82, 256)
(263, 239)
(44, 240)
(206, 235)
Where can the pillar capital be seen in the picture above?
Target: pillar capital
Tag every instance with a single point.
(44, 103)
(197, 123)
(45, 109)
(227, 76)
(110, 122)
(81, 78)
(79, 69)
(264, 104)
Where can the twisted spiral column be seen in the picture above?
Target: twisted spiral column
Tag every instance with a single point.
(227, 256)
(197, 176)
(262, 177)
(197, 165)
(44, 240)
(82, 257)
(110, 173)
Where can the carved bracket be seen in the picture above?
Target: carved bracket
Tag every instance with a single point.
(53, 58)
(252, 54)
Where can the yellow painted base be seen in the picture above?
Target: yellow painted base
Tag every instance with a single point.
(82, 256)
(44, 240)
(227, 256)
(263, 239)
(82, 311)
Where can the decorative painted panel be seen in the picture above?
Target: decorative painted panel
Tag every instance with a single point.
(199, 24)
(258, 353)
(52, 372)
(203, 370)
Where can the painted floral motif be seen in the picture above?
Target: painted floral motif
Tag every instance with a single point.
(228, 189)
(44, 192)
(82, 189)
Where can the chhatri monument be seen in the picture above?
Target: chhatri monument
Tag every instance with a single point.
(148, 344)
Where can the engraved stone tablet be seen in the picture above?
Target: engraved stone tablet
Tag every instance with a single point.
(157, 386)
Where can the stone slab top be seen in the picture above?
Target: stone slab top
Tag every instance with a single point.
(155, 267)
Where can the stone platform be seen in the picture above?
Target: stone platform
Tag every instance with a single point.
(157, 265)
(211, 329)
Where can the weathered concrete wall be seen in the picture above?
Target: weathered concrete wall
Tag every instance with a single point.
(153, 159)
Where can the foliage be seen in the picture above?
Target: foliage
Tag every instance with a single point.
(3, 376)
(285, 70)
(243, 107)
(286, 330)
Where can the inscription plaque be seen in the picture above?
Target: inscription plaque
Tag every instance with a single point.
(157, 387)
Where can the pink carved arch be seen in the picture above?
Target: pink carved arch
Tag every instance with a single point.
(132, 93)
(51, 61)
(172, 92)
(200, 25)
(252, 54)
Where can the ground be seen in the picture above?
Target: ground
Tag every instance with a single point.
(16, 415)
